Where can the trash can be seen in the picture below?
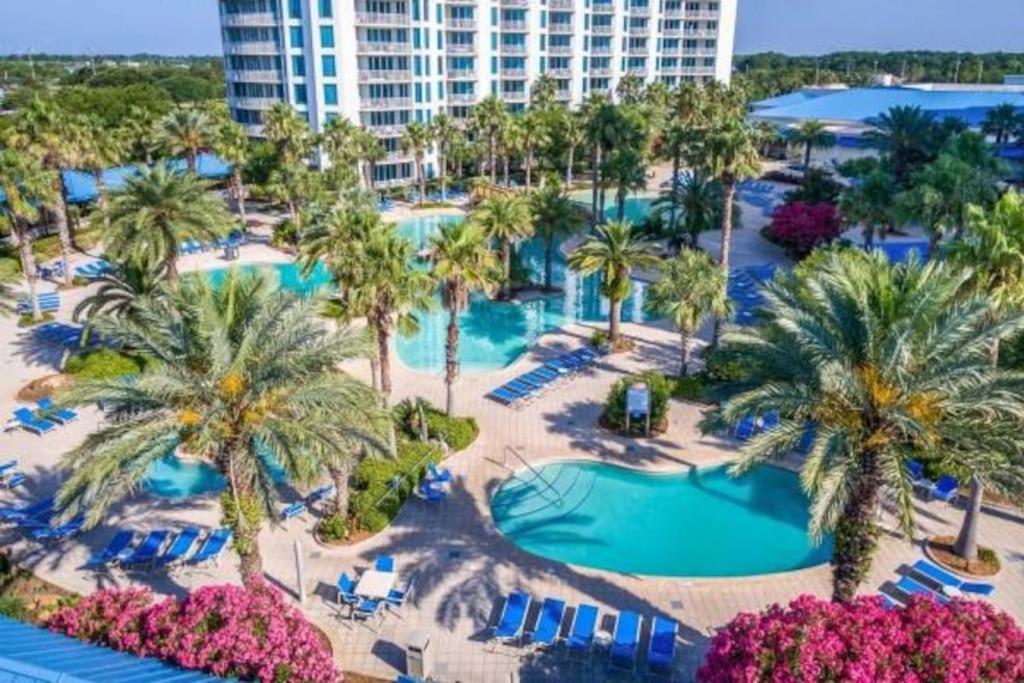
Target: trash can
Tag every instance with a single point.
(419, 658)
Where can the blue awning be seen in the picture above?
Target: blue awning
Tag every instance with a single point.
(34, 655)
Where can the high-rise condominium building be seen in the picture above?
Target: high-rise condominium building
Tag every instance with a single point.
(384, 63)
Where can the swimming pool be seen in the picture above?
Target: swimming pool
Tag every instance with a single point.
(289, 275)
(636, 208)
(174, 477)
(701, 523)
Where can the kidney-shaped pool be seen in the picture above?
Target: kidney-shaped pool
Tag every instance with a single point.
(702, 523)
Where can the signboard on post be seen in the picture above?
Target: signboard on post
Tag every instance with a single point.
(638, 404)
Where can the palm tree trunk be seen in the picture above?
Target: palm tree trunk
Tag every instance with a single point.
(933, 244)
(505, 164)
(239, 188)
(614, 314)
(549, 259)
(375, 372)
(966, 545)
(444, 175)
(190, 160)
(171, 265)
(506, 270)
(807, 156)
(568, 167)
(28, 265)
(384, 354)
(61, 218)
(340, 474)
(422, 176)
(856, 536)
(529, 168)
(101, 196)
(684, 359)
(673, 207)
(246, 533)
(728, 196)
(491, 159)
(451, 361)
(595, 164)
(620, 203)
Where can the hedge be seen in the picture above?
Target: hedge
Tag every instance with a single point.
(373, 503)
(103, 364)
(615, 405)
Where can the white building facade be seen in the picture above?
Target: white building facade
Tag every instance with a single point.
(384, 63)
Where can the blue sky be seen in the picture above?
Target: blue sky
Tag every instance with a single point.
(792, 26)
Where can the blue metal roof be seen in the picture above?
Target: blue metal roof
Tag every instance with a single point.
(859, 105)
(34, 655)
(792, 98)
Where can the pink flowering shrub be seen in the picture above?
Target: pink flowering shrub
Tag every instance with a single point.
(801, 227)
(812, 640)
(231, 631)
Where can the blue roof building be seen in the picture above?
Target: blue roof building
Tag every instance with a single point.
(34, 655)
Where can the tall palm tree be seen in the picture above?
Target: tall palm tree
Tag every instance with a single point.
(247, 380)
(810, 135)
(573, 135)
(691, 289)
(510, 143)
(887, 361)
(907, 134)
(231, 144)
(340, 143)
(139, 134)
(370, 151)
(698, 203)
(505, 219)
(289, 132)
(26, 185)
(417, 139)
(461, 263)
(626, 168)
(444, 131)
(613, 252)
(871, 203)
(489, 119)
(1001, 122)
(603, 124)
(99, 149)
(158, 210)
(554, 217)
(533, 132)
(187, 131)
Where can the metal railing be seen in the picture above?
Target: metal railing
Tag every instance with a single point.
(382, 18)
(385, 47)
(390, 75)
(508, 450)
(249, 20)
(254, 76)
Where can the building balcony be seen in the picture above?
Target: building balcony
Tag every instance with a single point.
(512, 49)
(640, 10)
(385, 76)
(249, 20)
(636, 70)
(602, 29)
(672, 31)
(381, 19)
(461, 2)
(266, 47)
(386, 48)
(460, 48)
(704, 15)
(559, 49)
(600, 49)
(515, 3)
(673, 13)
(514, 95)
(462, 97)
(513, 73)
(561, 27)
(700, 33)
(687, 70)
(563, 95)
(639, 30)
(396, 157)
(461, 74)
(253, 76)
(253, 130)
(699, 51)
(254, 102)
(460, 22)
(517, 25)
(602, 8)
(390, 130)
(601, 71)
(560, 73)
(640, 50)
(383, 103)
(562, 4)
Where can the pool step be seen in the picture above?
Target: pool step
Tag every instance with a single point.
(537, 499)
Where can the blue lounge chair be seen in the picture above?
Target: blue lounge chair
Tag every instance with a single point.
(180, 548)
(945, 488)
(915, 470)
(14, 481)
(384, 563)
(506, 395)
(744, 429)
(940, 576)
(432, 494)
(622, 653)
(7, 466)
(438, 475)
(38, 521)
(509, 628)
(48, 303)
(661, 650)
(396, 598)
(910, 587)
(366, 608)
(294, 510)
(581, 633)
(60, 532)
(147, 551)
(121, 541)
(549, 623)
(61, 415)
(26, 419)
(16, 513)
(211, 548)
(321, 494)
(770, 421)
(347, 591)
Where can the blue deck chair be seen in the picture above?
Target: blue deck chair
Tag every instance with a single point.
(505, 395)
(16, 513)
(62, 415)
(534, 383)
(7, 466)
(438, 475)
(525, 388)
(744, 428)
(366, 608)
(60, 532)
(27, 420)
(321, 494)
(294, 510)
(396, 597)
(39, 520)
(147, 551)
(121, 541)
(770, 421)
(945, 488)
(549, 623)
(622, 653)
(211, 548)
(944, 578)
(547, 373)
(347, 592)
(915, 470)
(581, 633)
(13, 481)
(432, 494)
(509, 628)
(910, 587)
(384, 563)
(179, 549)
(661, 650)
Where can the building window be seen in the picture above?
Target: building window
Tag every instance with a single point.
(299, 66)
(330, 66)
(295, 9)
(297, 37)
(300, 94)
(330, 94)
(326, 36)
(326, 11)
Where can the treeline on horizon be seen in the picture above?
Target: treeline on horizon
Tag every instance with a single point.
(773, 73)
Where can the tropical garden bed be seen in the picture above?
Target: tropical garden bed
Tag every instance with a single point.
(26, 597)
(941, 550)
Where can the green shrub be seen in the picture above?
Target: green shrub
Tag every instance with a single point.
(26, 320)
(615, 406)
(691, 388)
(457, 432)
(599, 338)
(333, 528)
(13, 608)
(104, 364)
(381, 485)
(723, 365)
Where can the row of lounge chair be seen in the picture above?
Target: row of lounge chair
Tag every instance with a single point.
(944, 489)
(753, 424)
(49, 302)
(531, 384)
(581, 637)
(10, 477)
(93, 269)
(161, 549)
(235, 239)
(44, 419)
(35, 520)
(929, 580)
(301, 507)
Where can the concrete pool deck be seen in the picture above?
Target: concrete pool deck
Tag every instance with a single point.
(463, 566)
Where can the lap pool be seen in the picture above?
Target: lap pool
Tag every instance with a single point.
(701, 523)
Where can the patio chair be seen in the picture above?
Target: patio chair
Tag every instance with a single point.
(347, 592)
(147, 551)
(661, 650)
(509, 628)
(770, 421)
(945, 488)
(179, 548)
(16, 513)
(7, 466)
(622, 653)
(438, 475)
(915, 470)
(432, 494)
(910, 587)
(943, 578)
(384, 563)
(506, 395)
(51, 412)
(121, 541)
(744, 428)
(13, 481)
(367, 608)
(26, 419)
(321, 494)
(549, 623)
(581, 633)
(396, 598)
(211, 549)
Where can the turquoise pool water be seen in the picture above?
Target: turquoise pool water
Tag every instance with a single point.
(289, 275)
(703, 523)
(636, 207)
(173, 477)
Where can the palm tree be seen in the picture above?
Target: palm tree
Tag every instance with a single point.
(461, 263)
(626, 168)
(231, 144)
(554, 217)
(811, 134)
(602, 130)
(692, 288)
(887, 361)
(187, 131)
(698, 201)
(139, 134)
(99, 149)
(289, 132)
(122, 293)
(340, 142)
(573, 135)
(417, 139)
(510, 141)
(871, 203)
(533, 133)
(370, 151)
(158, 210)
(1001, 122)
(907, 134)
(613, 252)
(489, 119)
(26, 185)
(542, 93)
(246, 378)
(444, 131)
(505, 219)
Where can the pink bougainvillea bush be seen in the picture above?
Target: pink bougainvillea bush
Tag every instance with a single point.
(247, 633)
(801, 227)
(863, 642)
